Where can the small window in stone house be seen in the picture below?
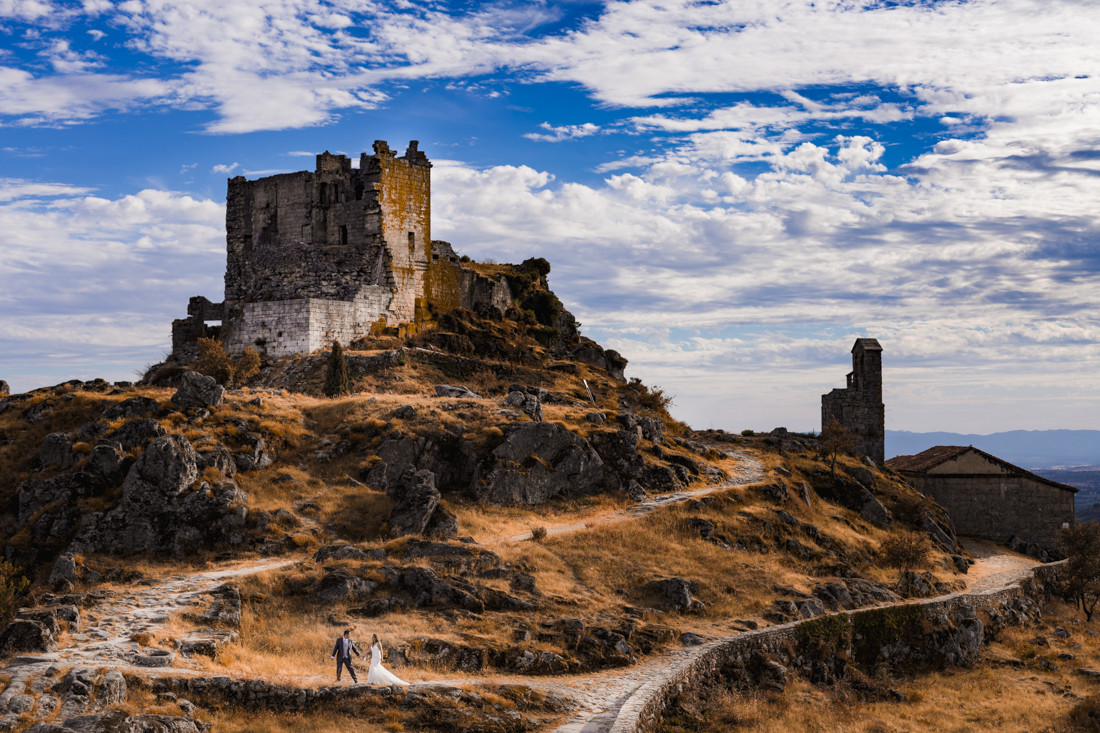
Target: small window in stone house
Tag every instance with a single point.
(324, 194)
(359, 191)
(343, 234)
(412, 240)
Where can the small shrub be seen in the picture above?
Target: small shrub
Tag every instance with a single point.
(538, 534)
(748, 433)
(834, 441)
(1080, 577)
(247, 365)
(906, 550)
(1085, 715)
(12, 585)
(213, 361)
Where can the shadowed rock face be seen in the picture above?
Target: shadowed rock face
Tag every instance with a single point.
(538, 461)
(417, 498)
(162, 510)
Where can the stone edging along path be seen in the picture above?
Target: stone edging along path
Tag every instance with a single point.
(641, 709)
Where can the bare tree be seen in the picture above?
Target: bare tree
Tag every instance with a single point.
(833, 441)
(906, 551)
(1080, 576)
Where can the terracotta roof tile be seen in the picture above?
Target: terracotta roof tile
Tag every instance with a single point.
(927, 459)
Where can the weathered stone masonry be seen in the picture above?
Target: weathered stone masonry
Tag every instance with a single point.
(859, 407)
(331, 254)
(989, 497)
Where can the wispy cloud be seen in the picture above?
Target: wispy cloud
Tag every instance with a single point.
(555, 134)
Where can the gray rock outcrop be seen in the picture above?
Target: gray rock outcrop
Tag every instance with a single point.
(539, 461)
(198, 390)
(455, 390)
(416, 498)
(873, 511)
(56, 450)
(64, 571)
(163, 510)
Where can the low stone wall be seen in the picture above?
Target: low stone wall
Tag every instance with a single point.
(643, 708)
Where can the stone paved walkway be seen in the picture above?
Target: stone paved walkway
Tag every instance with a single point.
(105, 629)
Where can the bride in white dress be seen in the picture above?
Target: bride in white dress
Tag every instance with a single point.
(377, 674)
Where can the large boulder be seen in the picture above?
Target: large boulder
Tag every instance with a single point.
(4, 388)
(133, 407)
(452, 460)
(64, 571)
(198, 390)
(455, 390)
(539, 461)
(136, 433)
(30, 635)
(416, 499)
(117, 721)
(56, 450)
(873, 511)
(676, 592)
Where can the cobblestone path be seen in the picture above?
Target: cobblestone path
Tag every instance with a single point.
(103, 639)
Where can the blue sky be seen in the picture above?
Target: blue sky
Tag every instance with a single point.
(729, 192)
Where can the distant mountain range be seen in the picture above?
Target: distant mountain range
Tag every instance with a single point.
(1032, 449)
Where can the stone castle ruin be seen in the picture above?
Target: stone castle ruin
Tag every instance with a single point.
(336, 253)
(858, 407)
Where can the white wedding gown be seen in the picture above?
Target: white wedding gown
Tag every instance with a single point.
(379, 675)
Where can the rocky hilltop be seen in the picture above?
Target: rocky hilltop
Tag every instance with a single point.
(491, 496)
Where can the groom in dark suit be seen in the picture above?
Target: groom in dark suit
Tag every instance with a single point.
(342, 652)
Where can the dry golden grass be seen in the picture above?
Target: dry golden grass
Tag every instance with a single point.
(993, 695)
(487, 523)
(288, 638)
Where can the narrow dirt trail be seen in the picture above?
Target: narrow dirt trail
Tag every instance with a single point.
(748, 471)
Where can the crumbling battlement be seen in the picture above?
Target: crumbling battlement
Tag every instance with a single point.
(859, 407)
(331, 254)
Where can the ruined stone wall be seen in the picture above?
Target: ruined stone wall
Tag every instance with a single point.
(1000, 506)
(314, 234)
(330, 254)
(858, 407)
(284, 327)
(405, 200)
(642, 710)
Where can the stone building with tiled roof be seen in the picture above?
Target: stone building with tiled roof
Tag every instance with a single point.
(990, 497)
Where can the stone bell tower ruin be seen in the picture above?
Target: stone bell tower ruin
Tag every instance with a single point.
(334, 254)
(859, 407)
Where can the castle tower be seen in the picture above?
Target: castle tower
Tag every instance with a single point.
(334, 254)
(324, 255)
(859, 407)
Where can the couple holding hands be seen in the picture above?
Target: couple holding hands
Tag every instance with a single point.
(376, 673)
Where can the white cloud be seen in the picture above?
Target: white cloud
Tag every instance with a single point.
(25, 9)
(102, 278)
(69, 97)
(223, 168)
(555, 134)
